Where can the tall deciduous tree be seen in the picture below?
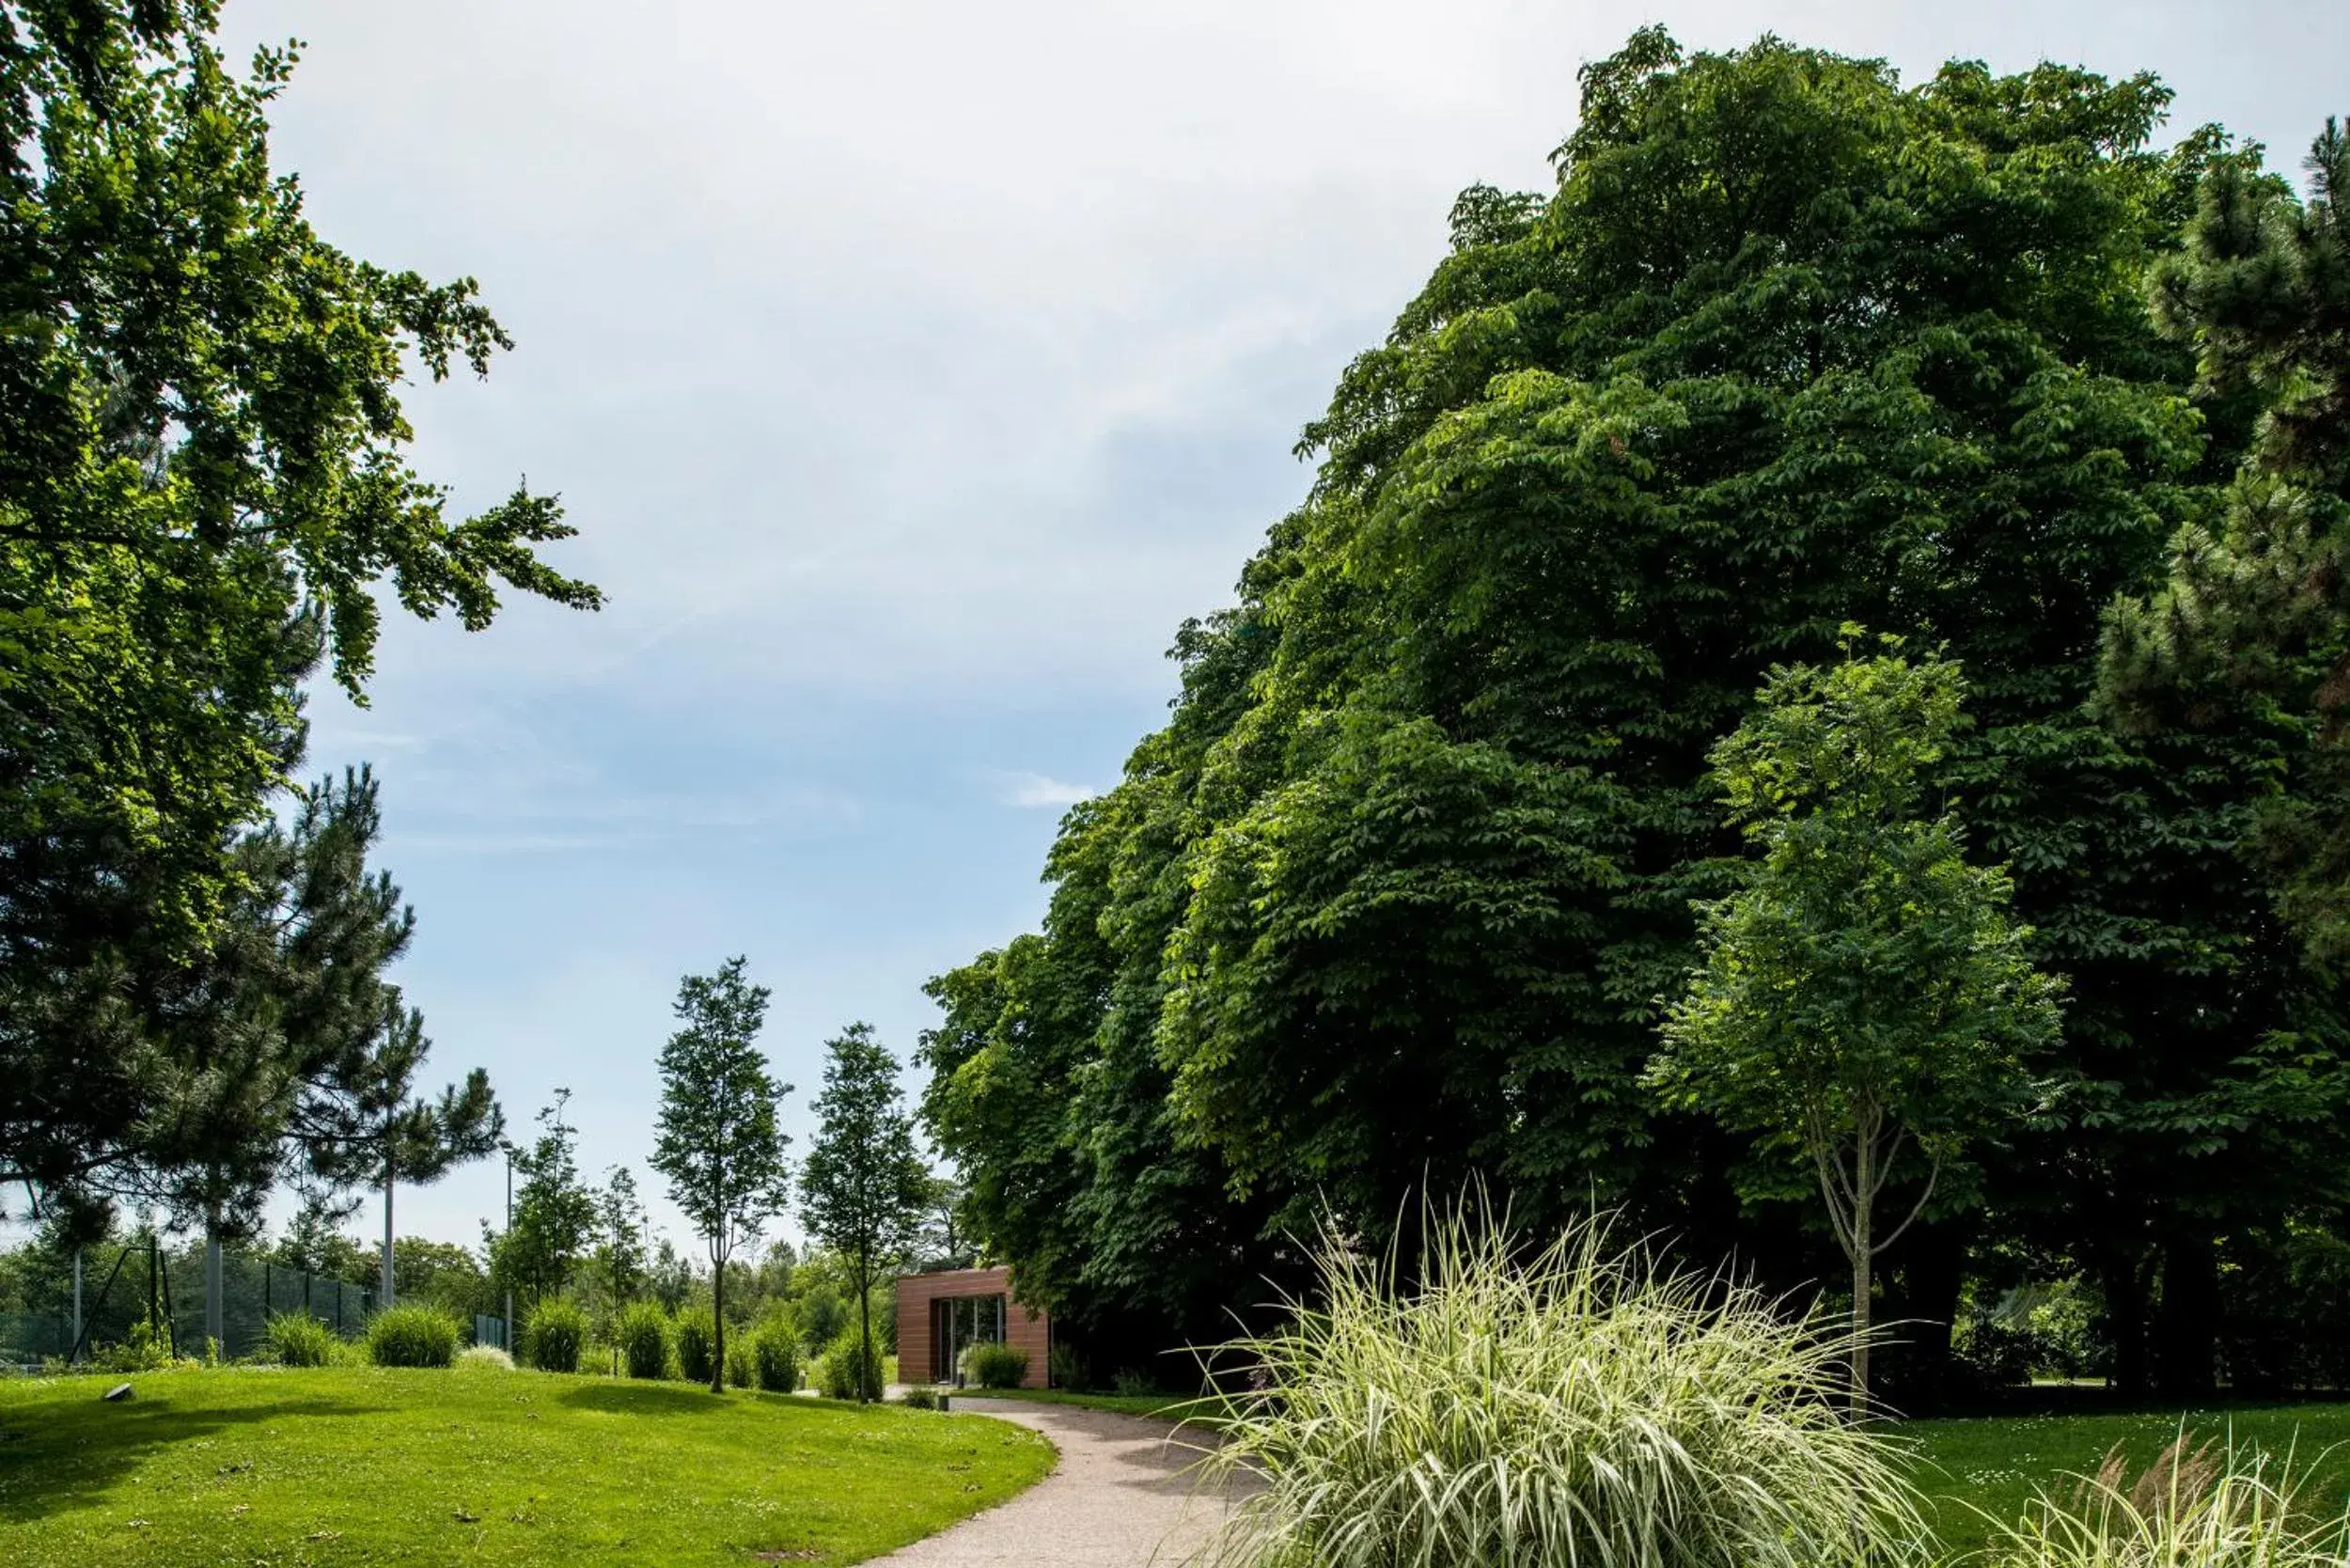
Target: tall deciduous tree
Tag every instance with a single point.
(1389, 900)
(203, 483)
(1865, 1000)
(866, 1187)
(720, 1144)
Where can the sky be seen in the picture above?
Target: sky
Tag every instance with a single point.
(910, 371)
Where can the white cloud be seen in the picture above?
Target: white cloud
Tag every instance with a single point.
(1034, 789)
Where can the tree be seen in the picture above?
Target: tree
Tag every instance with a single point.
(719, 1144)
(2253, 621)
(1388, 901)
(1864, 1000)
(865, 1188)
(314, 1244)
(620, 1254)
(203, 481)
(555, 1212)
(364, 1123)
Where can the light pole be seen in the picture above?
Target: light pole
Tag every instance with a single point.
(509, 1347)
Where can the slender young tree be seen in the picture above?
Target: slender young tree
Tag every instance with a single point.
(1865, 1002)
(865, 1190)
(621, 1219)
(555, 1212)
(719, 1143)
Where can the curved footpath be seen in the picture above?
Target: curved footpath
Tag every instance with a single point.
(1120, 1498)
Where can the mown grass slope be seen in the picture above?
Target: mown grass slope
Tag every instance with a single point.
(349, 1465)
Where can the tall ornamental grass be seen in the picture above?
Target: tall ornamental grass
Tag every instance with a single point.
(555, 1335)
(412, 1337)
(2193, 1508)
(1574, 1408)
(299, 1339)
(645, 1337)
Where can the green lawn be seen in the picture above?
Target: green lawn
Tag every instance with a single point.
(1994, 1463)
(257, 1465)
(1125, 1404)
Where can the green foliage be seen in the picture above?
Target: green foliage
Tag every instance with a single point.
(742, 1366)
(697, 1345)
(555, 1213)
(204, 490)
(775, 1355)
(644, 1335)
(1864, 992)
(142, 1348)
(866, 1190)
(299, 1339)
(484, 1358)
(620, 1236)
(1578, 1406)
(554, 1335)
(1066, 1368)
(921, 1396)
(412, 1337)
(850, 1368)
(995, 1366)
(718, 1141)
(1391, 897)
(2251, 630)
(2237, 1507)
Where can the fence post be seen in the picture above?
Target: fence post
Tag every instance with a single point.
(215, 1310)
(77, 1303)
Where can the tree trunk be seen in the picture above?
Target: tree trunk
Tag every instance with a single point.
(1861, 1274)
(2188, 1348)
(718, 1323)
(386, 1293)
(2123, 1282)
(867, 1361)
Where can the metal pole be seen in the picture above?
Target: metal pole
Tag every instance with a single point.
(507, 1332)
(215, 1328)
(77, 1303)
(385, 1295)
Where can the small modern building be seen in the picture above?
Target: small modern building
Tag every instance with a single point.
(941, 1313)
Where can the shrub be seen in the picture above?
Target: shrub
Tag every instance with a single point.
(995, 1366)
(741, 1372)
(1577, 1407)
(2191, 1509)
(697, 1342)
(142, 1349)
(484, 1358)
(554, 1336)
(837, 1368)
(412, 1337)
(1065, 1368)
(1131, 1383)
(299, 1339)
(643, 1335)
(775, 1355)
(923, 1397)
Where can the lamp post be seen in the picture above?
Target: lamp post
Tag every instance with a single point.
(510, 1231)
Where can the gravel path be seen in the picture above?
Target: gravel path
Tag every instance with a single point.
(1119, 1498)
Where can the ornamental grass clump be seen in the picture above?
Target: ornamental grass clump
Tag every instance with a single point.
(645, 1338)
(2192, 1508)
(1575, 1407)
(299, 1339)
(555, 1335)
(412, 1337)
